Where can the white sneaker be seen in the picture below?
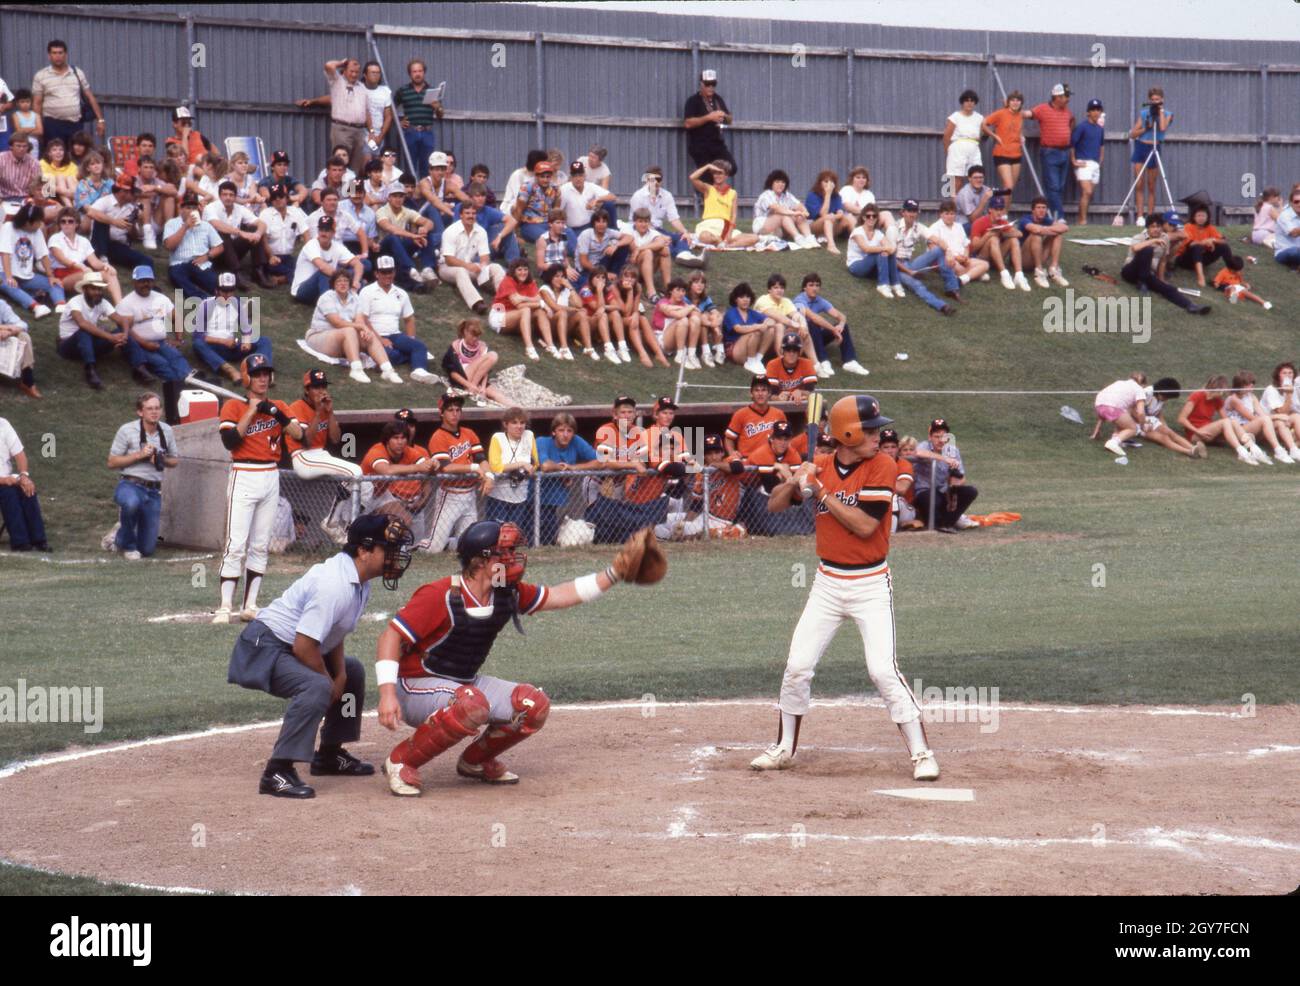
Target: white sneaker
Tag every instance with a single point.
(429, 276)
(853, 366)
(109, 541)
(592, 353)
(222, 615)
(1115, 448)
(986, 277)
(679, 357)
(899, 292)
(554, 352)
(529, 351)
(40, 311)
(720, 354)
(1245, 456)
(964, 522)
(822, 369)
(706, 354)
(830, 370)
(775, 757)
(359, 376)
(566, 353)
(1058, 278)
(248, 614)
(1020, 281)
(1260, 456)
(1007, 281)
(391, 376)
(1040, 278)
(423, 376)
(755, 366)
(403, 781)
(624, 353)
(150, 238)
(611, 353)
(1280, 454)
(884, 292)
(692, 361)
(924, 766)
(131, 555)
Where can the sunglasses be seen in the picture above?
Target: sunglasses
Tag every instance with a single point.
(67, 222)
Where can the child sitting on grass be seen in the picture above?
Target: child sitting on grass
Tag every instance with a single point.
(468, 362)
(1154, 428)
(1236, 287)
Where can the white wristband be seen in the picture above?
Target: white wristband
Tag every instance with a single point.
(386, 672)
(588, 587)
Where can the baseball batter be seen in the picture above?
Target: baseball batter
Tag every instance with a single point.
(429, 657)
(461, 462)
(251, 430)
(854, 490)
(314, 411)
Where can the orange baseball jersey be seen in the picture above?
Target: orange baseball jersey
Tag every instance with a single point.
(765, 460)
(658, 447)
(402, 489)
(262, 440)
(905, 468)
(783, 379)
(612, 443)
(459, 449)
(748, 428)
(869, 481)
(799, 444)
(316, 435)
(725, 493)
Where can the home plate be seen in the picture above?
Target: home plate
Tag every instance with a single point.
(932, 793)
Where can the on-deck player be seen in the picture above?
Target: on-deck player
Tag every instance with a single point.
(251, 430)
(430, 654)
(462, 463)
(854, 490)
(314, 411)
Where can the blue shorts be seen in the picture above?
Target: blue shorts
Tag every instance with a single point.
(1141, 152)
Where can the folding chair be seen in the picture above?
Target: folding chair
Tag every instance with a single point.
(122, 149)
(259, 166)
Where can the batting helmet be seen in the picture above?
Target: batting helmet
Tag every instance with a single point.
(494, 540)
(851, 415)
(255, 363)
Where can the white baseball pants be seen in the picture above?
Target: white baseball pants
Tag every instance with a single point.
(316, 463)
(453, 511)
(252, 493)
(869, 602)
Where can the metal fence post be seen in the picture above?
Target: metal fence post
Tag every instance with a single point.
(704, 514)
(537, 507)
(191, 95)
(848, 116)
(933, 466)
(540, 114)
(1263, 137)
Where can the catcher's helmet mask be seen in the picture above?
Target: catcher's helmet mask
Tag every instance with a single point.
(397, 542)
(496, 542)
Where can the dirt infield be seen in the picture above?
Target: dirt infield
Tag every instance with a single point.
(614, 799)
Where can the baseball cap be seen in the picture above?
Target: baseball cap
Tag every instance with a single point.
(437, 159)
(278, 190)
(315, 378)
(1171, 217)
(577, 168)
(543, 168)
(997, 202)
(709, 75)
(624, 400)
(385, 262)
(182, 113)
(256, 362)
(189, 201)
(665, 404)
(280, 157)
(939, 424)
(226, 280)
(791, 341)
(448, 398)
(396, 188)
(406, 416)
(781, 430)
(888, 435)
(760, 378)
(142, 273)
(911, 205)
(1095, 104)
(713, 443)
(326, 222)
(123, 184)
(1060, 89)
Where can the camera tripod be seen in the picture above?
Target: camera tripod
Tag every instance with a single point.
(1164, 180)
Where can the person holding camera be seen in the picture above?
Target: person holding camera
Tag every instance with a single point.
(142, 450)
(1148, 136)
(512, 457)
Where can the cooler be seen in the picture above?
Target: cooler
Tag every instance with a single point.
(196, 405)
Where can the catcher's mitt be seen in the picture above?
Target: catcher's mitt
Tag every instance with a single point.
(640, 560)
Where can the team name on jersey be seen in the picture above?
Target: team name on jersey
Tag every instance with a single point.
(266, 424)
(757, 428)
(848, 499)
(459, 449)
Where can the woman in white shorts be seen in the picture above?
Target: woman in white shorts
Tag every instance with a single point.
(961, 140)
(778, 213)
(336, 330)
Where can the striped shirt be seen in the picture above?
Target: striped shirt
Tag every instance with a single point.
(413, 106)
(16, 176)
(1054, 125)
(60, 92)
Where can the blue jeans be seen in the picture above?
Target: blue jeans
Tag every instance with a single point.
(115, 252)
(440, 224)
(396, 247)
(531, 232)
(214, 354)
(921, 291)
(193, 282)
(402, 348)
(678, 244)
(312, 288)
(421, 143)
(37, 282)
(22, 515)
(84, 346)
(140, 512)
(821, 339)
(166, 362)
(882, 266)
(1290, 256)
(509, 244)
(934, 257)
(1056, 168)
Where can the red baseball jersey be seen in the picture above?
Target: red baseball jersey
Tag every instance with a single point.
(460, 448)
(404, 489)
(869, 481)
(803, 376)
(426, 619)
(261, 443)
(748, 427)
(316, 435)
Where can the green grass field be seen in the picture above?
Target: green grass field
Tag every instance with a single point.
(1189, 613)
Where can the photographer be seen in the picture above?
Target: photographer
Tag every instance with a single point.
(512, 456)
(142, 450)
(1148, 135)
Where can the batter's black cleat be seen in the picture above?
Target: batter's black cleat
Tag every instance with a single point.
(285, 784)
(340, 763)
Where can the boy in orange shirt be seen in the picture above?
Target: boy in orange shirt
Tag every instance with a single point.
(793, 375)
(1231, 283)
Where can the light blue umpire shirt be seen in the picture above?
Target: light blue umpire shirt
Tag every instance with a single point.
(325, 604)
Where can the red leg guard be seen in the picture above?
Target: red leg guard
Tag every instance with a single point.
(467, 712)
(531, 706)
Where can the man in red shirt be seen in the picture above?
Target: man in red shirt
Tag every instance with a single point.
(1055, 127)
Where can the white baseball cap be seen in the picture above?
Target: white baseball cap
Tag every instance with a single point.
(1060, 90)
(182, 113)
(709, 75)
(226, 280)
(385, 262)
(438, 160)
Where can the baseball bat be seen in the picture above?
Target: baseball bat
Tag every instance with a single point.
(814, 412)
(194, 381)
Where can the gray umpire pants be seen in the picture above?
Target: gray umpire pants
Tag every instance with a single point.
(263, 662)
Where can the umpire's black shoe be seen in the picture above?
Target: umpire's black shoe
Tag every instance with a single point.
(285, 784)
(341, 763)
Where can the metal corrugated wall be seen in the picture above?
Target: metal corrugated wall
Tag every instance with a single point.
(253, 72)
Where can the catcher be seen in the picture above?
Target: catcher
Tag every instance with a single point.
(429, 655)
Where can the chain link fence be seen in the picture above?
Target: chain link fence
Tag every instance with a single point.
(580, 507)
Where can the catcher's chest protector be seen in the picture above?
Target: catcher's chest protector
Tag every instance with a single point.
(461, 653)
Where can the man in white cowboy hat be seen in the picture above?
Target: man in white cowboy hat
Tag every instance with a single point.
(87, 330)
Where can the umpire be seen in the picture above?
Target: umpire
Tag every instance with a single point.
(294, 650)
